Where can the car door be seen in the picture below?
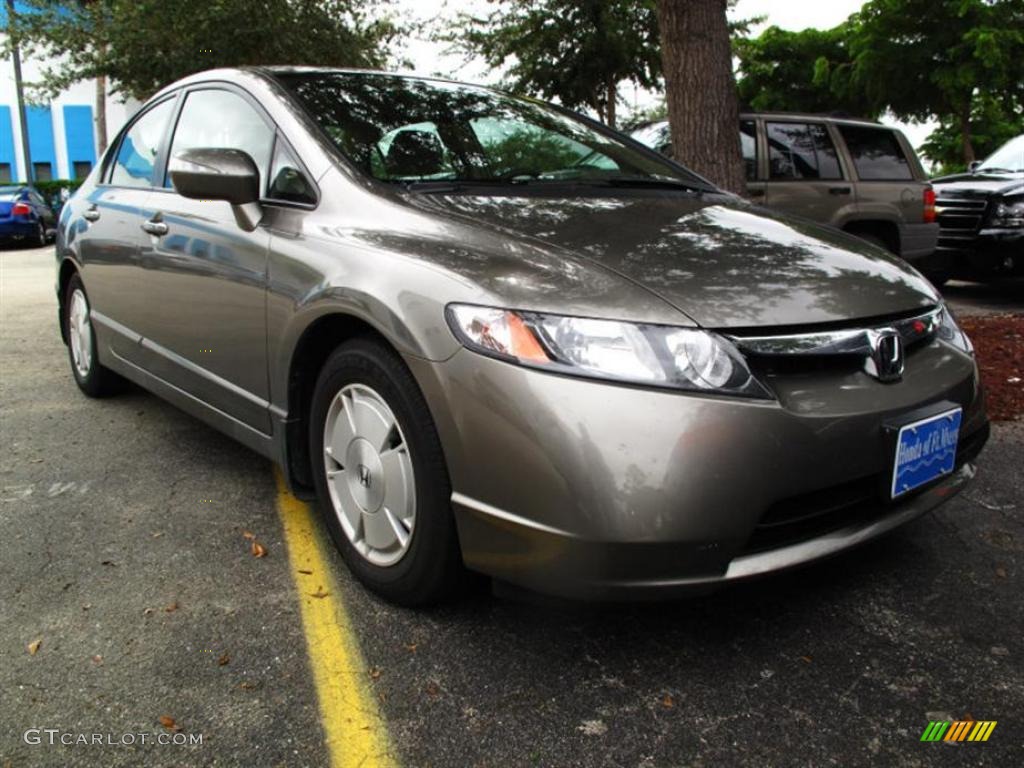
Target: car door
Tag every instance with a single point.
(804, 174)
(108, 230)
(205, 277)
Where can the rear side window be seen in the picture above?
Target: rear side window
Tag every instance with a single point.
(216, 119)
(876, 153)
(136, 157)
(801, 151)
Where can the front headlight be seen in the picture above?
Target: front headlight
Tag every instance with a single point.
(652, 355)
(1008, 215)
(949, 331)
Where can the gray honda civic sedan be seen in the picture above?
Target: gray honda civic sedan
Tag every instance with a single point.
(486, 333)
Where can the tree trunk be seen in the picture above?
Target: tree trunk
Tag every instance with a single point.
(965, 134)
(703, 109)
(613, 96)
(101, 114)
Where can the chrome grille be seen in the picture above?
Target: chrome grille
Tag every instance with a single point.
(959, 220)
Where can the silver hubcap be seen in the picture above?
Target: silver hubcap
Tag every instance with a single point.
(81, 333)
(369, 474)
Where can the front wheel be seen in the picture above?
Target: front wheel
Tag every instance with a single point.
(380, 475)
(92, 378)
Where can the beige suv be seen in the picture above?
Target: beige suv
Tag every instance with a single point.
(857, 175)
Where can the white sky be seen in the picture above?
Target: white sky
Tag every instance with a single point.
(429, 58)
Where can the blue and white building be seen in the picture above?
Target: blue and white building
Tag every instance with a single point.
(62, 138)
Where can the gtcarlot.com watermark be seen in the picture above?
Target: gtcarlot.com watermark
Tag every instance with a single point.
(55, 736)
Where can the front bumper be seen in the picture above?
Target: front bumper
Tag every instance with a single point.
(583, 488)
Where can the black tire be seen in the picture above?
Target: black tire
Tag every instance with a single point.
(431, 569)
(98, 381)
(41, 240)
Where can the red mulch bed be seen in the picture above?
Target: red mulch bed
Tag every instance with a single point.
(999, 344)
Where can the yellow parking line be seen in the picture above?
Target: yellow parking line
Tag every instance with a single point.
(355, 732)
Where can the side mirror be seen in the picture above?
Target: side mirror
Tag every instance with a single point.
(220, 174)
(974, 165)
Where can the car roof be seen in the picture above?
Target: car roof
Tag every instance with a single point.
(829, 117)
(271, 73)
(822, 116)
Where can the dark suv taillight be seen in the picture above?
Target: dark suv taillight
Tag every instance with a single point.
(929, 205)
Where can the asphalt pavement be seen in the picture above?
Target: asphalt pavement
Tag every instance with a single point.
(126, 551)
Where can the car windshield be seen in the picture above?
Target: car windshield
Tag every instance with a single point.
(404, 129)
(9, 194)
(1009, 157)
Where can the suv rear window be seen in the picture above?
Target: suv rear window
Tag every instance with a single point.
(876, 153)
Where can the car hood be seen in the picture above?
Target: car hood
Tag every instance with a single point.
(979, 184)
(722, 262)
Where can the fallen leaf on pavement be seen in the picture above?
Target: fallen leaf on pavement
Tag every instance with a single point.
(247, 686)
(307, 573)
(667, 701)
(248, 535)
(1000, 572)
(807, 659)
(168, 722)
(258, 550)
(34, 646)
(319, 594)
(147, 611)
(411, 647)
(374, 673)
(97, 659)
(433, 689)
(171, 608)
(111, 563)
(224, 659)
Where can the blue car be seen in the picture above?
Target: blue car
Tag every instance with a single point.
(25, 216)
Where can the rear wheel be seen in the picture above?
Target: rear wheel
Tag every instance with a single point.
(41, 235)
(380, 475)
(92, 378)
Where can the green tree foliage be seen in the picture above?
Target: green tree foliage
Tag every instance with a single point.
(141, 45)
(804, 71)
(960, 62)
(939, 58)
(574, 51)
(994, 121)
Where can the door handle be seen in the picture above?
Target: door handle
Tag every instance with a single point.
(839, 190)
(155, 227)
(91, 214)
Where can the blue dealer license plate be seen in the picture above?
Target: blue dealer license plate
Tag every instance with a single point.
(925, 450)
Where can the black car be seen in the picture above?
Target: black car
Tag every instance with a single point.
(25, 216)
(981, 217)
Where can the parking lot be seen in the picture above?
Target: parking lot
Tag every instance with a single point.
(132, 601)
